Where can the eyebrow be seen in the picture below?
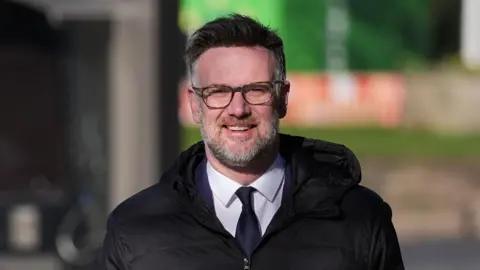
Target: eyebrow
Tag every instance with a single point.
(223, 84)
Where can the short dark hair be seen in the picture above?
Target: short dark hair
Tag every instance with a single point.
(235, 30)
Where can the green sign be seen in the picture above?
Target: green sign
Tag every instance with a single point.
(382, 35)
(194, 13)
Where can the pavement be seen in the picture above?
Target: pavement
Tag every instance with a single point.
(44, 262)
(455, 254)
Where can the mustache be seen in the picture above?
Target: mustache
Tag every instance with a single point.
(235, 121)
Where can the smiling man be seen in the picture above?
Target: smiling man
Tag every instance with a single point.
(247, 196)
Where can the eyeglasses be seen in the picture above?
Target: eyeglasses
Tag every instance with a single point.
(220, 96)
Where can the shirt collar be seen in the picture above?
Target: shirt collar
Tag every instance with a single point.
(268, 184)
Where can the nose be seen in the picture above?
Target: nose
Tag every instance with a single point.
(238, 108)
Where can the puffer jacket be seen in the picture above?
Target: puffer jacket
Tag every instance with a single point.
(327, 220)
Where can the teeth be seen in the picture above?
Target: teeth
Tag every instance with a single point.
(236, 128)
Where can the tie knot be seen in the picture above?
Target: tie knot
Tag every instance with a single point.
(245, 194)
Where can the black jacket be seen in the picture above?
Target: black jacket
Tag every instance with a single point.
(327, 220)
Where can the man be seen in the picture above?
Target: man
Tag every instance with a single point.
(247, 197)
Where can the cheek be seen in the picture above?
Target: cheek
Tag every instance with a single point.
(210, 119)
(265, 116)
(264, 126)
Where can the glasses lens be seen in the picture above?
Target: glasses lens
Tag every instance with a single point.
(258, 93)
(217, 96)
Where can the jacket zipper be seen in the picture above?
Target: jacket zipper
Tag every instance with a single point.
(246, 261)
(246, 264)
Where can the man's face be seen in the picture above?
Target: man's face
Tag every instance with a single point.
(235, 135)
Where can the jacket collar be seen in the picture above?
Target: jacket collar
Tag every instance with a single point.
(322, 172)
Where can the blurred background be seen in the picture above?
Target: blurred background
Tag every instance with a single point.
(93, 109)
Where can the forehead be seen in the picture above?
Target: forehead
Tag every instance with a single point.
(234, 66)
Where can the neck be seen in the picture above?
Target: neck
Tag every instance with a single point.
(248, 174)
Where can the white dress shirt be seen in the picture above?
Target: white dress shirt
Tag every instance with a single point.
(266, 200)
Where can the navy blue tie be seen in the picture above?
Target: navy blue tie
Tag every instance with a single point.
(248, 230)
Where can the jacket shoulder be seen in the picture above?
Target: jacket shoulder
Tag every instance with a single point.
(371, 218)
(138, 215)
(363, 202)
(158, 200)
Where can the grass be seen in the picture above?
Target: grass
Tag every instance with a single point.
(378, 142)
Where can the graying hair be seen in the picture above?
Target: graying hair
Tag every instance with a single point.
(235, 30)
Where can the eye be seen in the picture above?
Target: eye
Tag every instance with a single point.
(216, 90)
(258, 87)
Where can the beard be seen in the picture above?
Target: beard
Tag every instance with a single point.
(246, 152)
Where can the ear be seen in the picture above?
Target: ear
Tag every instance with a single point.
(194, 106)
(283, 100)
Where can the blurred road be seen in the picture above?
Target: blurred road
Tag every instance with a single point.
(29, 263)
(443, 255)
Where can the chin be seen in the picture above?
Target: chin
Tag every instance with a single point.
(240, 158)
(240, 147)
(241, 140)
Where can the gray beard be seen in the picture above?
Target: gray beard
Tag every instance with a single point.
(261, 147)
